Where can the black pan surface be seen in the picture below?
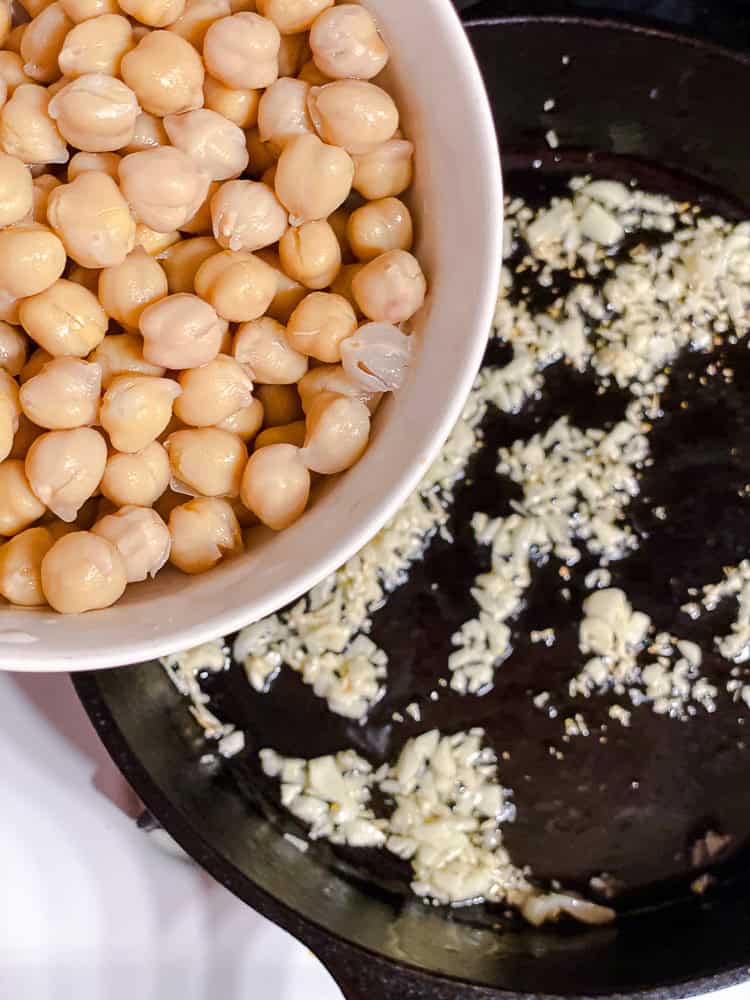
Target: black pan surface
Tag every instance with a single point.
(632, 103)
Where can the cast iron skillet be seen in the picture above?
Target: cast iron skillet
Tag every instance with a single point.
(626, 96)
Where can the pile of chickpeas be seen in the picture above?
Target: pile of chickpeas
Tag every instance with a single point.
(205, 272)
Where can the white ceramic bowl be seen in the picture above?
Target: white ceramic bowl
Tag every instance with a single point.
(457, 199)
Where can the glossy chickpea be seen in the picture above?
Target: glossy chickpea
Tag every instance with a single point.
(283, 434)
(19, 506)
(42, 187)
(153, 242)
(243, 51)
(63, 395)
(310, 73)
(64, 469)
(289, 293)
(264, 348)
(82, 10)
(42, 41)
(154, 13)
(338, 431)
(16, 190)
(199, 224)
(31, 259)
(385, 171)
(27, 130)
(353, 114)
(93, 220)
(21, 567)
(122, 354)
(213, 143)
(245, 423)
(181, 331)
(136, 408)
(96, 45)
(311, 254)
(126, 290)
(10, 412)
(83, 572)
(11, 71)
(276, 485)
(281, 404)
(391, 288)
(238, 285)
(312, 179)
(182, 261)
(197, 18)
(319, 324)
(148, 133)
(213, 392)
(163, 186)
(64, 319)
(13, 349)
(282, 112)
(166, 74)
(82, 163)
(380, 226)
(137, 479)
(141, 538)
(206, 462)
(345, 43)
(293, 16)
(37, 360)
(239, 105)
(204, 531)
(342, 285)
(95, 113)
(247, 215)
(262, 155)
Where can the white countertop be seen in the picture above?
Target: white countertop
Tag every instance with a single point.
(90, 908)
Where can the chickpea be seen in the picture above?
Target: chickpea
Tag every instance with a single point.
(21, 567)
(154, 13)
(148, 133)
(9, 310)
(214, 144)
(96, 46)
(197, 18)
(52, 90)
(26, 434)
(10, 412)
(34, 365)
(42, 42)
(141, 538)
(136, 408)
(83, 572)
(390, 288)
(213, 392)
(42, 187)
(245, 423)
(182, 261)
(6, 21)
(95, 113)
(380, 226)
(238, 285)
(242, 50)
(353, 114)
(269, 177)
(313, 179)
(64, 395)
(136, 479)
(289, 293)
(16, 190)
(181, 331)
(276, 485)
(82, 10)
(31, 259)
(64, 469)
(345, 43)
(338, 221)
(238, 105)
(281, 404)
(127, 289)
(12, 72)
(199, 224)
(333, 379)
(204, 531)
(312, 75)
(262, 154)
(122, 354)
(282, 112)
(163, 186)
(293, 52)
(338, 430)
(208, 462)
(292, 16)
(155, 244)
(311, 254)
(247, 216)
(166, 74)
(64, 319)
(19, 506)
(27, 130)
(15, 37)
(319, 324)
(93, 220)
(263, 346)
(13, 347)
(81, 163)
(284, 434)
(385, 171)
